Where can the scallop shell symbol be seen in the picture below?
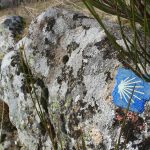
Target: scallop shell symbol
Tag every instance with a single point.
(129, 85)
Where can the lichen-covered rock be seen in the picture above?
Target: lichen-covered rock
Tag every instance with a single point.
(73, 67)
(10, 28)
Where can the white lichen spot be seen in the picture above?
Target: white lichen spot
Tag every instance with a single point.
(7, 60)
(77, 98)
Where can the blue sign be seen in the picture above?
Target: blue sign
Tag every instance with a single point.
(130, 88)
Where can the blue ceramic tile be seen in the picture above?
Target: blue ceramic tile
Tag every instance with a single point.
(129, 85)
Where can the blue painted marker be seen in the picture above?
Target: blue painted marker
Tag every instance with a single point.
(129, 87)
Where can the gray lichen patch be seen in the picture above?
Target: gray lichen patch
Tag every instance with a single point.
(10, 28)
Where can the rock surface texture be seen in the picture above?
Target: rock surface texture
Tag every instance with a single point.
(73, 66)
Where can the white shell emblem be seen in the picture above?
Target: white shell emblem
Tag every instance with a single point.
(130, 87)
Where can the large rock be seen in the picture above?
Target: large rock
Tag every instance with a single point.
(11, 28)
(73, 66)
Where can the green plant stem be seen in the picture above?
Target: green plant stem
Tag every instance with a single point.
(47, 125)
(124, 120)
